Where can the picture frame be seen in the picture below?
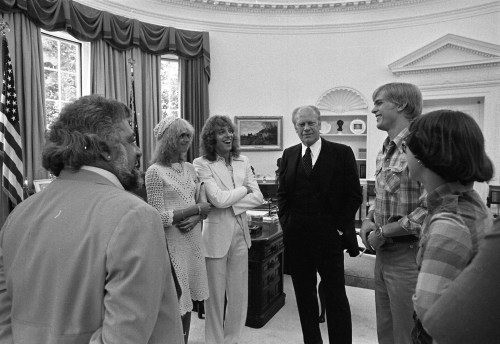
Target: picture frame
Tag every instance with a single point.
(41, 184)
(260, 133)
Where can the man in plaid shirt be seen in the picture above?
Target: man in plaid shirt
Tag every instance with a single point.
(393, 223)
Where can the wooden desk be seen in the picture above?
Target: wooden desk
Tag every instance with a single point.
(265, 276)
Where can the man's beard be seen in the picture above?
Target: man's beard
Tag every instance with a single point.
(130, 178)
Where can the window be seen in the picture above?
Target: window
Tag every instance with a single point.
(63, 66)
(67, 74)
(170, 86)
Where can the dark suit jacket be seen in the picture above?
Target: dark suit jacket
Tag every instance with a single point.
(335, 179)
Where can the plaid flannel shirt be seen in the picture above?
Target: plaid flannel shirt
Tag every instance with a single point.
(398, 198)
(451, 234)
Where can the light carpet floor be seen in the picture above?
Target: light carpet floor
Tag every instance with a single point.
(284, 327)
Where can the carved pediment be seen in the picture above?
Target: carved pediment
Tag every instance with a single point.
(450, 52)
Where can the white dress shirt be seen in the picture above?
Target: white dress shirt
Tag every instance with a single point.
(315, 149)
(106, 174)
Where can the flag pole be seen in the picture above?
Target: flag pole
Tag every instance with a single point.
(135, 125)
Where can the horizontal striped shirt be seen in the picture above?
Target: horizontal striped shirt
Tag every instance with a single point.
(451, 233)
(398, 198)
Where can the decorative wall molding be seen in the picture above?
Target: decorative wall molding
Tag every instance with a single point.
(342, 100)
(460, 86)
(300, 6)
(198, 16)
(448, 53)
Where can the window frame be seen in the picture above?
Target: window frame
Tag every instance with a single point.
(84, 77)
(172, 57)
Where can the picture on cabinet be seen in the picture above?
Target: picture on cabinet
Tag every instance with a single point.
(260, 133)
(358, 126)
(41, 184)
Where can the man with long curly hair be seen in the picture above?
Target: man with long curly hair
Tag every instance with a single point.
(84, 261)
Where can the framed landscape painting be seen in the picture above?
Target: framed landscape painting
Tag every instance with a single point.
(260, 133)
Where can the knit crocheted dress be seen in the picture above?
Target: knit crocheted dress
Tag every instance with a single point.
(168, 189)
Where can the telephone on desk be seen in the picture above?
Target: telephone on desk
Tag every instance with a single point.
(269, 190)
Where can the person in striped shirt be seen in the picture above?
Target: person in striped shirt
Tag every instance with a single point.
(445, 152)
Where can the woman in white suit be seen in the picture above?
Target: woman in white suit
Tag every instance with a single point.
(232, 189)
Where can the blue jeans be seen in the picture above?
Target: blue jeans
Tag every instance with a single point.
(396, 275)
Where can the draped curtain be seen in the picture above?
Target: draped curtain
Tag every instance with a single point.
(194, 85)
(111, 76)
(25, 48)
(88, 24)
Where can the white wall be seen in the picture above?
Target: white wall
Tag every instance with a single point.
(265, 63)
(270, 74)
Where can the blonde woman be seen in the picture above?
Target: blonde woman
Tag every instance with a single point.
(172, 186)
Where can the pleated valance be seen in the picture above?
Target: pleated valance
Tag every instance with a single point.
(88, 24)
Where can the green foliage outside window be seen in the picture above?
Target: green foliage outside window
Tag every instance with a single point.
(62, 74)
(170, 87)
(61, 61)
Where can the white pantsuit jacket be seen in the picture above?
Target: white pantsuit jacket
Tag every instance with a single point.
(224, 231)
(228, 199)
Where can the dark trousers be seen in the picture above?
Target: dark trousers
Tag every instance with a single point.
(313, 246)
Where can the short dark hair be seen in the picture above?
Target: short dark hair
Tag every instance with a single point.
(451, 144)
(208, 136)
(402, 93)
(84, 129)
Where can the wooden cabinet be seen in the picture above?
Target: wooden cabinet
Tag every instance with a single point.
(265, 276)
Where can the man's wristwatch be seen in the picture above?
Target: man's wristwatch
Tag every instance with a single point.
(380, 231)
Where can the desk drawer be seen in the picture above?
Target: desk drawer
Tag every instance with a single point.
(272, 263)
(262, 273)
(263, 248)
(261, 300)
(271, 277)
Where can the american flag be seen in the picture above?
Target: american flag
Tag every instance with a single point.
(11, 152)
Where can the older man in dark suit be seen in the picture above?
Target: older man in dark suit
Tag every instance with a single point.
(318, 196)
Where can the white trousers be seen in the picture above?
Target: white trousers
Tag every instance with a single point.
(227, 276)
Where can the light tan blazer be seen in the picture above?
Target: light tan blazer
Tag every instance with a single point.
(84, 261)
(229, 199)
